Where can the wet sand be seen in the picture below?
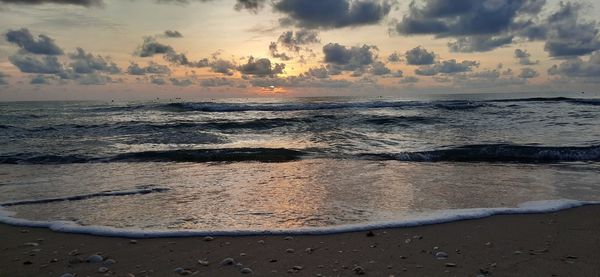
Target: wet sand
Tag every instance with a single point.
(565, 243)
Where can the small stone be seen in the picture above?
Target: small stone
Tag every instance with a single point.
(297, 268)
(441, 255)
(208, 238)
(203, 262)
(228, 261)
(73, 252)
(94, 259)
(242, 254)
(288, 238)
(358, 270)
(109, 262)
(450, 265)
(370, 234)
(133, 241)
(103, 269)
(488, 244)
(419, 237)
(27, 262)
(308, 250)
(273, 260)
(76, 260)
(55, 260)
(246, 270)
(518, 252)
(33, 244)
(289, 250)
(24, 231)
(484, 271)
(178, 270)
(261, 242)
(571, 257)
(67, 275)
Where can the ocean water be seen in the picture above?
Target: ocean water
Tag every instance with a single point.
(291, 164)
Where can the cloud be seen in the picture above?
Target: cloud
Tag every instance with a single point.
(466, 17)
(217, 82)
(251, 5)
(482, 43)
(409, 80)
(446, 67)
(159, 81)
(276, 54)
(394, 58)
(151, 47)
(419, 56)
(85, 3)
(524, 57)
(329, 14)
(318, 72)
(299, 81)
(32, 64)
(93, 79)
(39, 80)
(578, 68)
(43, 45)
(84, 63)
(181, 82)
(152, 68)
(261, 67)
(379, 69)
(172, 34)
(3, 77)
(349, 58)
(292, 41)
(528, 73)
(566, 36)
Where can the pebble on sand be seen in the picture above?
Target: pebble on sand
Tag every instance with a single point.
(203, 262)
(33, 244)
(288, 238)
(441, 255)
(102, 269)
(358, 270)
(67, 275)
(246, 270)
(228, 261)
(94, 259)
(208, 238)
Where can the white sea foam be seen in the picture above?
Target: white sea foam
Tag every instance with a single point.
(435, 217)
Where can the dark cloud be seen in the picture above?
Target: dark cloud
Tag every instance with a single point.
(151, 47)
(94, 79)
(251, 5)
(86, 3)
(32, 64)
(465, 17)
(528, 73)
(152, 68)
(447, 67)
(84, 63)
(222, 66)
(332, 13)
(43, 45)
(479, 43)
(394, 58)
(299, 81)
(409, 80)
(578, 68)
(294, 40)
(159, 81)
(276, 54)
(524, 57)
(349, 58)
(261, 67)
(419, 56)
(172, 34)
(318, 72)
(567, 36)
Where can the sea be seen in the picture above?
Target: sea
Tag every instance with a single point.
(172, 167)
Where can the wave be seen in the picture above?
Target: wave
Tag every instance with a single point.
(431, 218)
(83, 196)
(232, 107)
(182, 155)
(580, 101)
(497, 153)
(401, 120)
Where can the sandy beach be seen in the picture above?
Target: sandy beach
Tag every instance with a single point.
(565, 243)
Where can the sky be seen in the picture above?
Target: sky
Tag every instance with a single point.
(143, 49)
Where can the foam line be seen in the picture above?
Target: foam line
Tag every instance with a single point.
(82, 197)
(437, 217)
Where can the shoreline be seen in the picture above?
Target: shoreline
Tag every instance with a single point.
(562, 243)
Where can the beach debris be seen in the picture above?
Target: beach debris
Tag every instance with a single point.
(358, 270)
(102, 269)
(67, 275)
(370, 234)
(203, 262)
(261, 242)
(32, 244)
(441, 255)
(246, 270)
(407, 240)
(94, 259)
(290, 250)
(208, 238)
(109, 262)
(288, 238)
(228, 261)
(308, 250)
(450, 265)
